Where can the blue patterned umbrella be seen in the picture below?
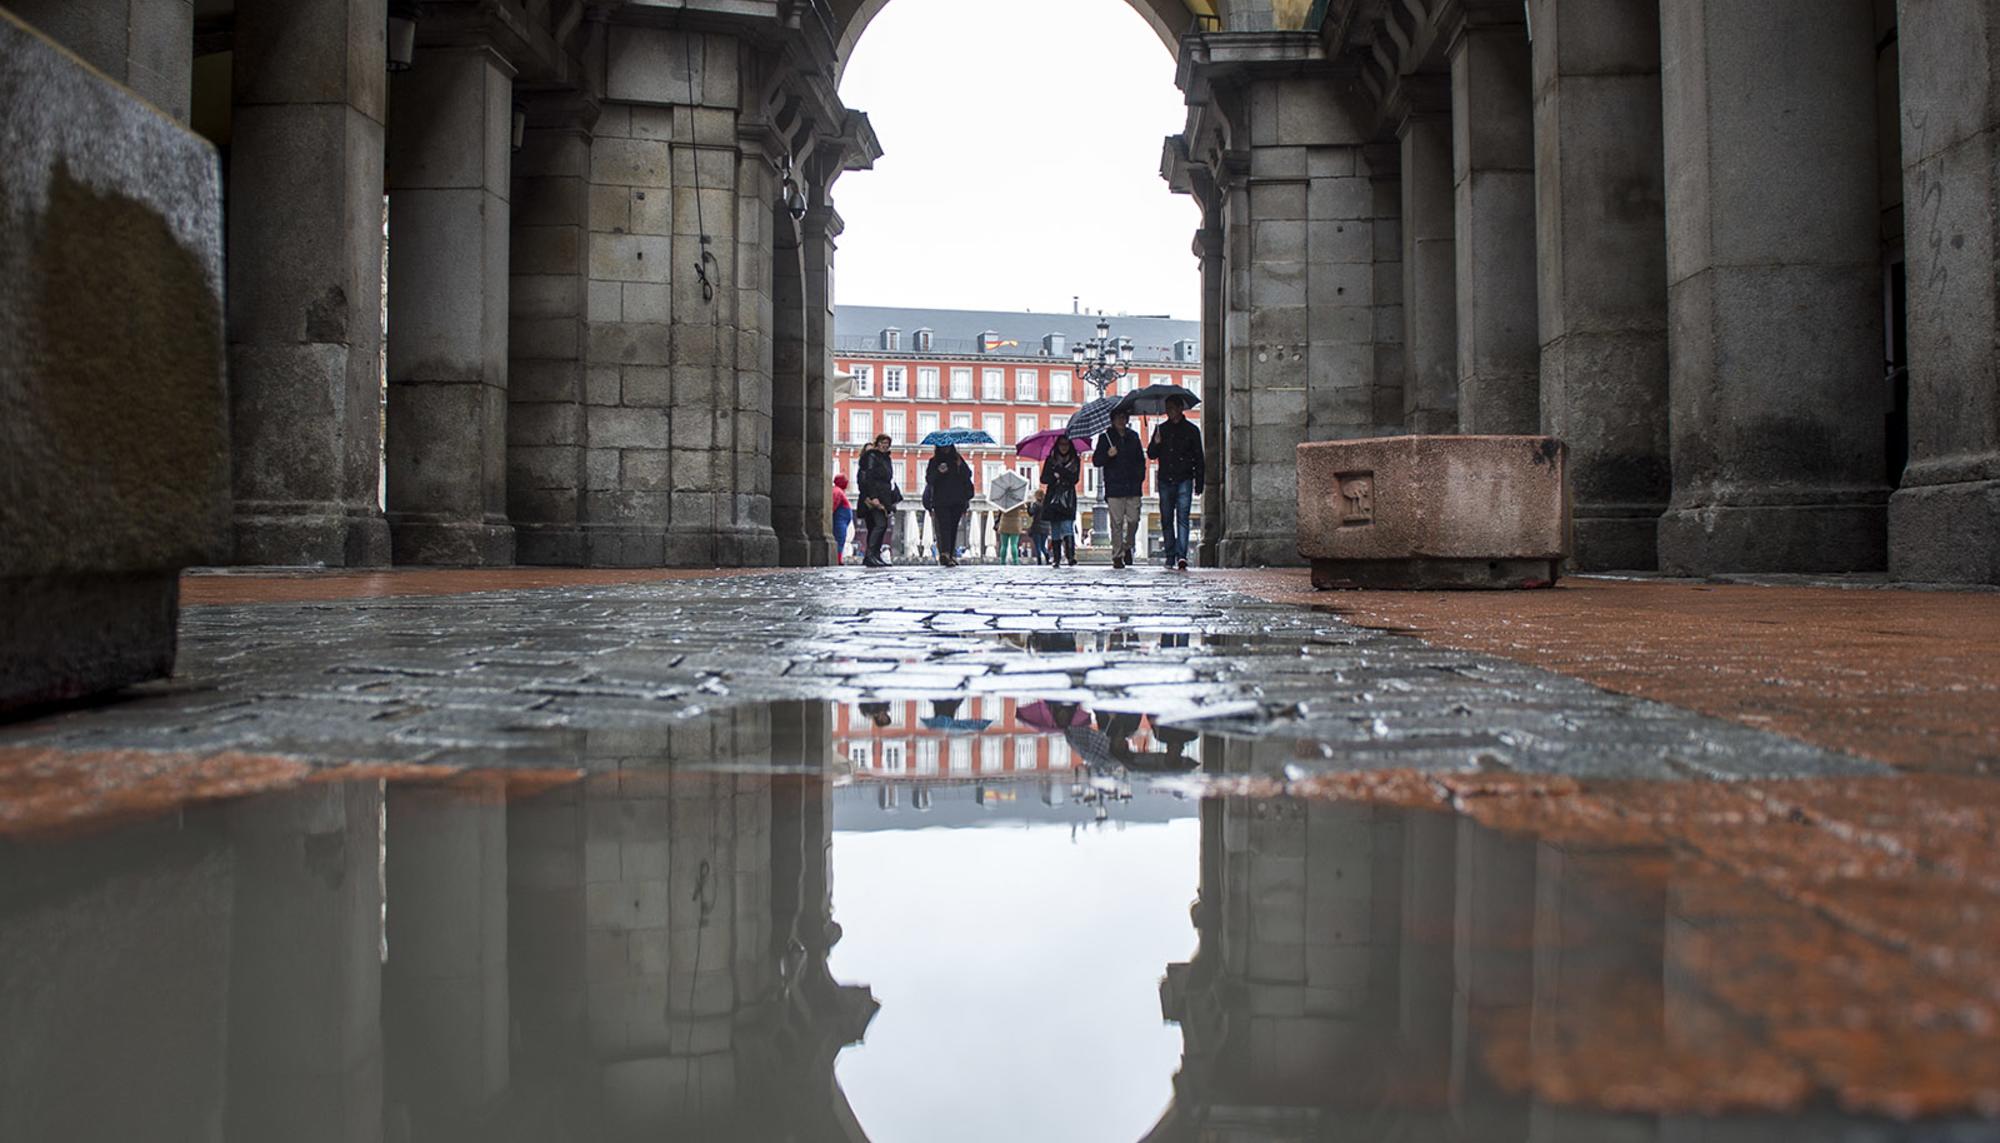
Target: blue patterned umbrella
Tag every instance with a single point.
(958, 437)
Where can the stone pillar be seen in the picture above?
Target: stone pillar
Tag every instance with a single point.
(1774, 287)
(305, 966)
(147, 45)
(1208, 247)
(444, 989)
(791, 473)
(1493, 170)
(1494, 967)
(305, 282)
(1430, 866)
(821, 234)
(1430, 275)
(1601, 258)
(545, 337)
(450, 151)
(1382, 165)
(1944, 522)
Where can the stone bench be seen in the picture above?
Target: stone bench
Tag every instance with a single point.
(1434, 512)
(114, 440)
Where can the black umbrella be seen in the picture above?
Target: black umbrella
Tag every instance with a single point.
(1093, 418)
(1151, 401)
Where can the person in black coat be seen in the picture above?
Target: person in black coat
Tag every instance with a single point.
(947, 490)
(1122, 457)
(1177, 446)
(875, 483)
(1060, 474)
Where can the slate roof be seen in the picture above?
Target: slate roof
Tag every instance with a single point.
(857, 329)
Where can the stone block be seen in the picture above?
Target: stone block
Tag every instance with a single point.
(1433, 512)
(114, 448)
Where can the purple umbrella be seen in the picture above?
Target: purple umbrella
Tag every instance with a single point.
(1038, 446)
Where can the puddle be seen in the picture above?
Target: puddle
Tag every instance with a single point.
(982, 919)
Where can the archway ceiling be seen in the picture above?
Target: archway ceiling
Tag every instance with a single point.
(1168, 18)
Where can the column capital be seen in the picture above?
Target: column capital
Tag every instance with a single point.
(1415, 98)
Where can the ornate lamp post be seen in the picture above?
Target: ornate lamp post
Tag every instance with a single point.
(1102, 362)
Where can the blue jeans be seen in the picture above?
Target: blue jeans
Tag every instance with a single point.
(1176, 502)
(843, 519)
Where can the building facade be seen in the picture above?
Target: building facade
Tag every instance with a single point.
(913, 371)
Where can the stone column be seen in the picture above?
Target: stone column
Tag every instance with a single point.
(445, 1009)
(1494, 967)
(147, 45)
(822, 232)
(1493, 169)
(305, 967)
(450, 152)
(790, 471)
(1430, 275)
(1774, 287)
(1382, 165)
(545, 337)
(1208, 247)
(1601, 257)
(1430, 867)
(1944, 523)
(305, 282)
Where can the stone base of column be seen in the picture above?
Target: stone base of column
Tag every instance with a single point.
(1616, 537)
(75, 635)
(1946, 533)
(1810, 538)
(1435, 574)
(750, 547)
(306, 539)
(549, 545)
(1258, 550)
(437, 543)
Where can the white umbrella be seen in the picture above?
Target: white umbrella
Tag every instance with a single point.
(1007, 491)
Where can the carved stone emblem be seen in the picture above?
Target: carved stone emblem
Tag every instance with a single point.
(1357, 498)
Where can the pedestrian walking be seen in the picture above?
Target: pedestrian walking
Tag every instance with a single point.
(843, 518)
(947, 493)
(1122, 456)
(1038, 528)
(1013, 522)
(876, 481)
(1183, 470)
(1060, 474)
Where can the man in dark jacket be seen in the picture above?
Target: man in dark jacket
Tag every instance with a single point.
(1119, 454)
(1183, 469)
(876, 483)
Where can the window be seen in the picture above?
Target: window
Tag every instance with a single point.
(860, 424)
(991, 755)
(893, 381)
(1027, 385)
(894, 756)
(1090, 480)
(1059, 386)
(1025, 427)
(961, 420)
(991, 469)
(896, 715)
(927, 384)
(1033, 474)
(857, 755)
(894, 423)
(993, 384)
(961, 384)
(927, 423)
(961, 755)
(927, 755)
(1025, 753)
(864, 380)
(1160, 379)
(892, 338)
(995, 426)
(923, 341)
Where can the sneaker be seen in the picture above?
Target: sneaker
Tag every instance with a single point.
(1180, 565)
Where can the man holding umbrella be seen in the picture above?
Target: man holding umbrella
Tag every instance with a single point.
(1118, 454)
(1183, 469)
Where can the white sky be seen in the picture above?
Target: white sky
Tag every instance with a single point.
(1021, 162)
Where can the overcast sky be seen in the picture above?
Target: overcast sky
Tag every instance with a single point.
(1021, 162)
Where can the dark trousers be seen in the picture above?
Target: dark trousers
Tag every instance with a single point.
(948, 517)
(876, 520)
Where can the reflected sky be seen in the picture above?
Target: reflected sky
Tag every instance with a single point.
(1013, 961)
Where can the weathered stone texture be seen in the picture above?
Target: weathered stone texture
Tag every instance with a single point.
(114, 450)
(147, 45)
(1493, 170)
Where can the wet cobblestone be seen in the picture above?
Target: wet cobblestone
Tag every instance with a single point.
(513, 675)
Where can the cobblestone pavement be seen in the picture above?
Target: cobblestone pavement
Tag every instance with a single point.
(514, 676)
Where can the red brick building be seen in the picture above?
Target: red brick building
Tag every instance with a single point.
(917, 370)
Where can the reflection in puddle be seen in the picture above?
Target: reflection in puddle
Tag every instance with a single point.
(662, 950)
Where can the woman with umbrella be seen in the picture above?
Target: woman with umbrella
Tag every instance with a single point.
(1060, 474)
(948, 491)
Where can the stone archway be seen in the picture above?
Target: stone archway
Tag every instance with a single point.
(1169, 19)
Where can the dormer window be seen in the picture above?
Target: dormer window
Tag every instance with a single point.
(892, 338)
(922, 341)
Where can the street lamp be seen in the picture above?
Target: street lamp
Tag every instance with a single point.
(1102, 362)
